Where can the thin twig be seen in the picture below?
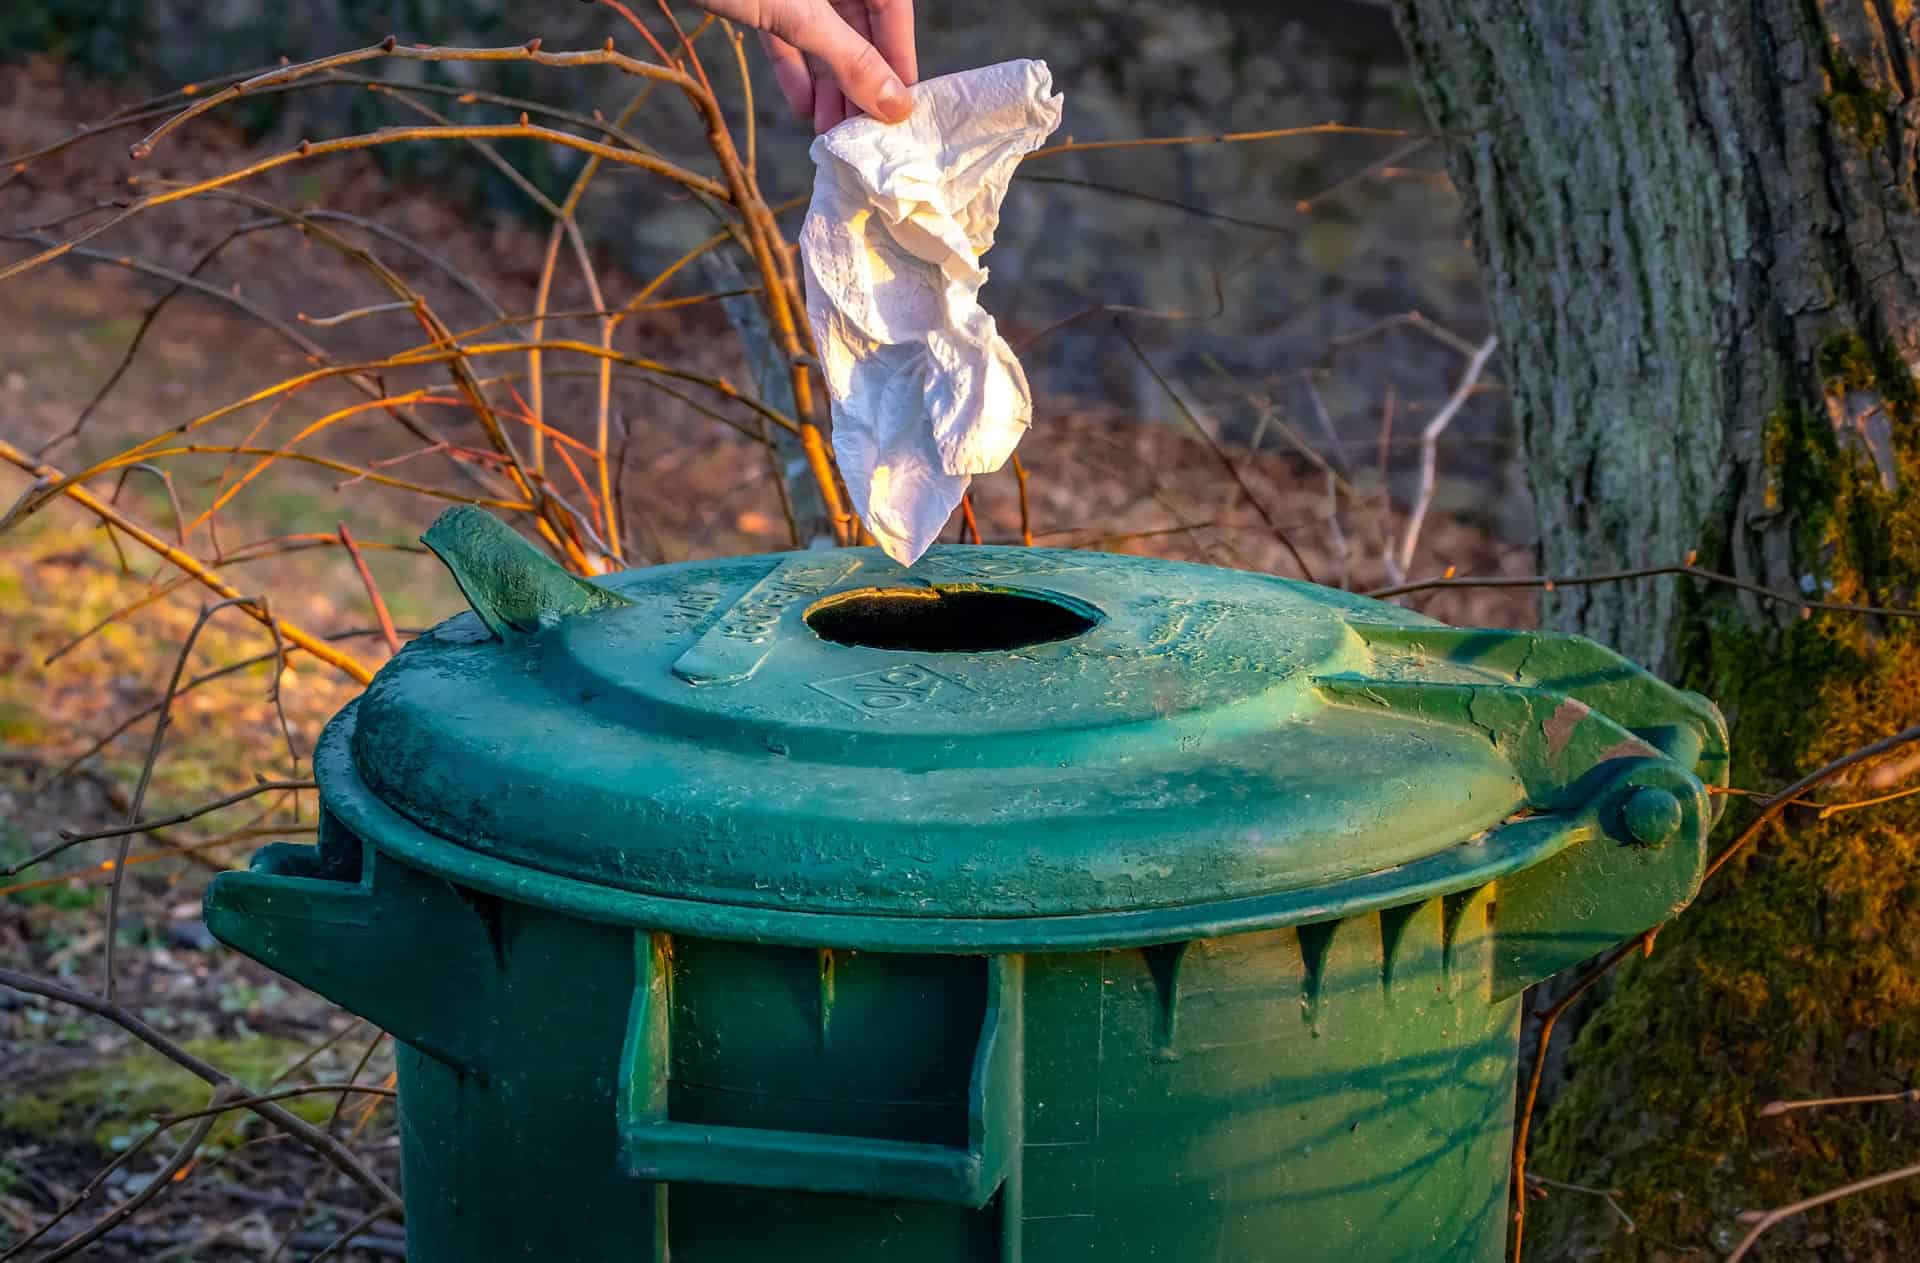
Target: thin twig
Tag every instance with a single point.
(1829, 810)
(162, 1180)
(746, 97)
(1524, 1126)
(1429, 456)
(1608, 1195)
(359, 473)
(69, 840)
(185, 561)
(551, 528)
(1383, 517)
(181, 281)
(1550, 582)
(102, 742)
(307, 1057)
(1333, 467)
(1154, 199)
(273, 695)
(346, 1238)
(345, 317)
(392, 48)
(1225, 138)
(361, 380)
(160, 727)
(327, 1147)
(1773, 807)
(1123, 309)
(86, 1193)
(56, 482)
(353, 1078)
(371, 140)
(1213, 444)
(384, 403)
(1026, 514)
(281, 1094)
(373, 590)
(1379, 166)
(1411, 319)
(168, 851)
(1771, 1108)
(1774, 1216)
(173, 498)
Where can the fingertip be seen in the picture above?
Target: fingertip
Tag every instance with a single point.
(893, 102)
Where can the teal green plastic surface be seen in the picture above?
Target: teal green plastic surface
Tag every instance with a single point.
(1023, 905)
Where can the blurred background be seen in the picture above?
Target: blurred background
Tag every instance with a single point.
(1274, 250)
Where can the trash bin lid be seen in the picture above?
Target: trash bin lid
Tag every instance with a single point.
(994, 733)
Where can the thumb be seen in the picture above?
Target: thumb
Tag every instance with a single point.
(813, 27)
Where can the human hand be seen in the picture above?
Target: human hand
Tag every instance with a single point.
(834, 58)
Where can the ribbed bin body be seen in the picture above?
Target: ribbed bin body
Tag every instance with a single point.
(1338, 1092)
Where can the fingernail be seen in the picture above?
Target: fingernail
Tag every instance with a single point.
(895, 104)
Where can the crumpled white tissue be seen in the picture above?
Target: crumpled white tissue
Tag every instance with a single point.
(925, 391)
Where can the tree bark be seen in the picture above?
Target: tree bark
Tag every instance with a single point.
(1699, 227)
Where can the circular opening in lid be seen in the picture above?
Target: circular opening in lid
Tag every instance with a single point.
(949, 619)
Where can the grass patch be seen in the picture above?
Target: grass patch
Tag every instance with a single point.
(64, 579)
(111, 1102)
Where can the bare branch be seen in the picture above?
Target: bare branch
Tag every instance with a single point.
(392, 48)
(1226, 138)
(1213, 444)
(68, 840)
(373, 590)
(283, 1094)
(86, 1193)
(1801, 1207)
(184, 560)
(1410, 319)
(1026, 514)
(345, 317)
(1772, 807)
(1380, 166)
(1608, 1195)
(146, 776)
(162, 1180)
(1550, 582)
(369, 140)
(318, 1141)
(1429, 456)
(1154, 199)
(1771, 1108)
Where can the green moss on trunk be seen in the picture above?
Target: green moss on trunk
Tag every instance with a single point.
(1854, 105)
(1797, 975)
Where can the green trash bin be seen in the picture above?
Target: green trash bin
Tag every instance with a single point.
(1026, 904)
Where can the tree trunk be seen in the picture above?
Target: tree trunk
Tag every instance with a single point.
(1700, 233)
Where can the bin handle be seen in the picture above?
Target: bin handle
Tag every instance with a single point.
(513, 589)
(654, 1147)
